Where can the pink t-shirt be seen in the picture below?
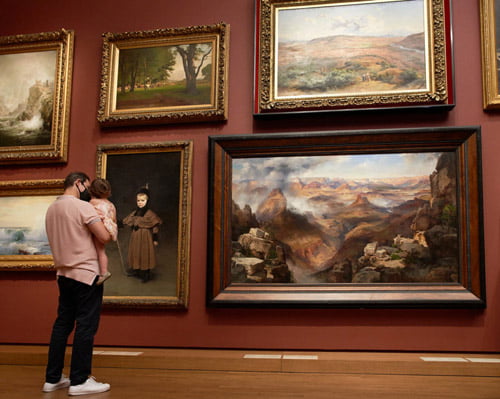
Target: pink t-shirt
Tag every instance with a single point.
(70, 239)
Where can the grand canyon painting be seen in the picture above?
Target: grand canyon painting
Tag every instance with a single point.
(374, 218)
(375, 47)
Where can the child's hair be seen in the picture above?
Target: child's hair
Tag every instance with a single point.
(100, 188)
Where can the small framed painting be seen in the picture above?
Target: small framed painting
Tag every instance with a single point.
(165, 76)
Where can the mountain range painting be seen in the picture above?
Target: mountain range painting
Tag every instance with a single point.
(379, 218)
(351, 48)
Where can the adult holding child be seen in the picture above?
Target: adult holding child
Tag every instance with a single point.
(71, 224)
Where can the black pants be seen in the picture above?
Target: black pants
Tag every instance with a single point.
(81, 304)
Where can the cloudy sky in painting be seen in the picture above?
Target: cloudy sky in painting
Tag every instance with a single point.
(24, 211)
(281, 169)
(18, 72)
(381, 18)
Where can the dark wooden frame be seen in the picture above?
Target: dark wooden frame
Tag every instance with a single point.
(465, 142)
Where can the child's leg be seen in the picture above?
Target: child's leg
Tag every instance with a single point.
(101, 257)
(103, 262)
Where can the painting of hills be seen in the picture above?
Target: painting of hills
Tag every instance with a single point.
(385, 218)
(355, 48)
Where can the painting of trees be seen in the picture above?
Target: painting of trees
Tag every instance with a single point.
(165, 75)
(169, 75)
(144, 67)
(190, 54)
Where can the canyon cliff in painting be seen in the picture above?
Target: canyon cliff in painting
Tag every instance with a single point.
(292, 222)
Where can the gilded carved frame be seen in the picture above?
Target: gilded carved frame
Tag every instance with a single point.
(270, 66)
(55, 120)
(489, 46)
(117, 107)
(165, 167)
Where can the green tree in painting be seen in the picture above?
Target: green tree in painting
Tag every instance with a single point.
(143, 66)
(190, 54)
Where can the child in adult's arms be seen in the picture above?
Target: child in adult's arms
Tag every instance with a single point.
(100, 190)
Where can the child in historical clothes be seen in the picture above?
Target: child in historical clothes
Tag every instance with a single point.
(100, 190)
(145, 226)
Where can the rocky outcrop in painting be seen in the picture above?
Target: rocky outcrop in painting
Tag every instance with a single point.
(30, 123)
(349, 231)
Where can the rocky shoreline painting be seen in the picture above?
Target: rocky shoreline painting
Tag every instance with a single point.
(382, 218)
(26, 108)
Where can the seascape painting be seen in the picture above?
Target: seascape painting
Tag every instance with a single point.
(22, 225)
(167, 76)
(351, 48)
(27, 98)
(373, 218)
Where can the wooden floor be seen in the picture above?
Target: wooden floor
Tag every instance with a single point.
(145, 373)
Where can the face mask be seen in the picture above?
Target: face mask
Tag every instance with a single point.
(84, 195)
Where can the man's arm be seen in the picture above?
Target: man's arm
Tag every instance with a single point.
(99, 231)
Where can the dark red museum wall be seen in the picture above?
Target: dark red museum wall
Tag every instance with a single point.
(28, 299)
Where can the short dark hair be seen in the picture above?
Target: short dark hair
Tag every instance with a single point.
(100, 188)
(73, 177)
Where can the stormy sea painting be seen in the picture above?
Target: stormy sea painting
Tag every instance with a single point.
(374, 218)
(22, 225)
(26, 98)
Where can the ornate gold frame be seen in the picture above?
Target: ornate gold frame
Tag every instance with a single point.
(62, 42)
(491, 95)
(217, 35)
(29, 188)
(439, 61)
(124, 182)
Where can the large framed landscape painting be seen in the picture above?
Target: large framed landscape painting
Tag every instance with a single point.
(149, 261)
(165, 76)
(490, 35)
(331, 55)
(347, 219)
(35, 94)
(23, 242)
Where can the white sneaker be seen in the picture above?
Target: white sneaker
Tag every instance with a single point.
(89, 386)
(63, 383)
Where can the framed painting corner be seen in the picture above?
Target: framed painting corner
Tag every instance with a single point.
(173, 75)
(347, 219)
(152, 188)
(34, 118)
(402, 58)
